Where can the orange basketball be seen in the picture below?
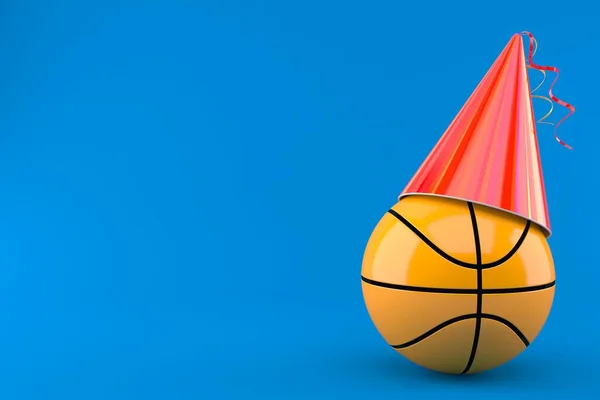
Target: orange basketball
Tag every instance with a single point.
(457, 287)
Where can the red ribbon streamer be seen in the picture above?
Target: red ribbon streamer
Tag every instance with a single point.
(554, 98)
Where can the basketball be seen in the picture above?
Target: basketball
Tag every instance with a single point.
(457, 287)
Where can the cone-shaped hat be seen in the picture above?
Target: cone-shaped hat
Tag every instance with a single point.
(489, 154)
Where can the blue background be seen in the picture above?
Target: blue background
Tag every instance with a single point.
(187, 187)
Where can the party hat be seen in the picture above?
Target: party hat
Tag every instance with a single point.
(489, 154)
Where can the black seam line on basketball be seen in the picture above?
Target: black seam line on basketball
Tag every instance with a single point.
(479, 288)
(454, 320)
(457, 291)
(455, 260)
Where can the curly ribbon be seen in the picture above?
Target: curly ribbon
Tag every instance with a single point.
(535, 49)
(542, 69)
(541, 120)
(543, 79)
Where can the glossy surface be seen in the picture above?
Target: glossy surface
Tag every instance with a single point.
(489, 153)
(394, 254)
(402, 272)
